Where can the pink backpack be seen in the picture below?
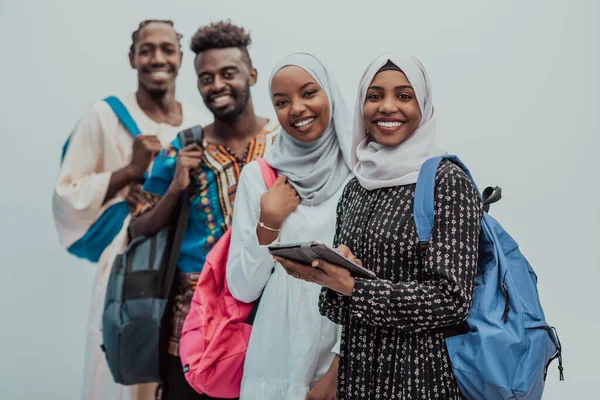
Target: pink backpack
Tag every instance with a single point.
(215, 333)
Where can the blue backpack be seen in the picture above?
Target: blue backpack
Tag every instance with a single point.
(508, 346)
(108, 226)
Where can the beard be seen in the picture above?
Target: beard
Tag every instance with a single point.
(228, 114)
(156, 93)
(156, 90)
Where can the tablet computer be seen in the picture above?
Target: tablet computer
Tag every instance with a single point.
(307, 252)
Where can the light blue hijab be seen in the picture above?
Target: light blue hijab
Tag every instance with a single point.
(316, 169)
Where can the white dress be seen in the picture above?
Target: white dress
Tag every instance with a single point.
(100, 145)
(291, 345)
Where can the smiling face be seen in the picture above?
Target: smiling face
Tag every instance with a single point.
(156, 56)
(391, 112)
(301, 105)
(224, 81)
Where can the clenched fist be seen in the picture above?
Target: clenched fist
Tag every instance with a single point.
(188, 164)
(277, 203)
(145, 148)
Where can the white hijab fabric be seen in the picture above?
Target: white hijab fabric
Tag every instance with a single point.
(316, 169)
(377, 166)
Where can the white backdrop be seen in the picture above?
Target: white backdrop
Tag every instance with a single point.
(516, 90)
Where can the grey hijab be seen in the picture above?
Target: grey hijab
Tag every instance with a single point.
(316, 169)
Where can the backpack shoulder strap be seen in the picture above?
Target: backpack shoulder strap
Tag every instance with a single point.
(269, 174)
(182, 213)
(424, 194)
(65, 147)
(190, 136)
(123, 114)
(124, 117)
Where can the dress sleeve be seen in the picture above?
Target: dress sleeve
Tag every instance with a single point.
(444, 297)
(249, 265)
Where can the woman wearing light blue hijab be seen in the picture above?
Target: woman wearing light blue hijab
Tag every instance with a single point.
(293, 350)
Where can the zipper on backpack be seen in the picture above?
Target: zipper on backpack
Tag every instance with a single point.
(558, 355)
(506, 307)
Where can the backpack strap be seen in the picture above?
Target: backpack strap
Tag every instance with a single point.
(123, 114)
(97, 238)
(64, 149)
(191, 135)
(179, 222)
(269, 174)
(424, 213)
(424, 195)
(187, 137)
(124, 117)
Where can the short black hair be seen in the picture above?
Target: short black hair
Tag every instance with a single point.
(222, 35)
(143, 24)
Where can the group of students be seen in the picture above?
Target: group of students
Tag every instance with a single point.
(348, 181)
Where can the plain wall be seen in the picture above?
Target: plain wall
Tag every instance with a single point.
(515, 88)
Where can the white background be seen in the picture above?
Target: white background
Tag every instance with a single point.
(516, 90)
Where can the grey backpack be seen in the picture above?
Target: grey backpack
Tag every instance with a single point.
(137, 308)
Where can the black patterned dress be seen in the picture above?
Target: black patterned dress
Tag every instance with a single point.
(393, 327)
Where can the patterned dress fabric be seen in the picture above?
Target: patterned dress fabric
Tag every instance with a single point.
(392, 340)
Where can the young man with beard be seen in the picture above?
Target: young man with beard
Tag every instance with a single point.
(237, 136)
(104, 165)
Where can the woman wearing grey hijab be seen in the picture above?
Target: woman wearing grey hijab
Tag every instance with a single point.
(293, 350)
(393, 342)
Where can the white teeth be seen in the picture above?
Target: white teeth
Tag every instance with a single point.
(160, 74)
(221, 99)
(386, 124)
(304, 122)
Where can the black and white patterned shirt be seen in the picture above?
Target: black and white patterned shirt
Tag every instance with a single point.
(393, 345)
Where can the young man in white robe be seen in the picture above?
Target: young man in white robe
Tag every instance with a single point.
(104, 166)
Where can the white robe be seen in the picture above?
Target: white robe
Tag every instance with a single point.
(291, 345)
(100, 145)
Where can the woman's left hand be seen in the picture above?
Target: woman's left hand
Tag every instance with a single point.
(322, 273)
(325, 388)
